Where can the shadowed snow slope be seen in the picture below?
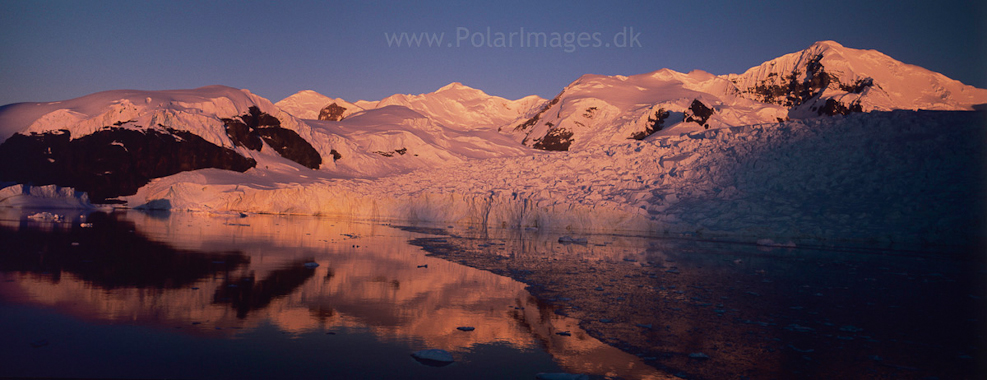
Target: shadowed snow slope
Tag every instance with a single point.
(900, 177)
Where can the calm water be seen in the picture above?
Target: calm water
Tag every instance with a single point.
(224, 296)
(205, 296)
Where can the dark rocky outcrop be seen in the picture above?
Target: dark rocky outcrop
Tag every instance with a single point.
(332, 112)
(698, 113)
(558, 139)
(401, 152)
(291, 146)
(534, 119)
(792, 92)
(111, 162)
(254, 128)
(655, 124)
(834, 107)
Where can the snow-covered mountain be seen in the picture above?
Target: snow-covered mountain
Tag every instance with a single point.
(602, 110)
(309, 104)
(825, 79)
(464, 108)
(828, 78)
(111, 143)
(454, 105)
(717, 154)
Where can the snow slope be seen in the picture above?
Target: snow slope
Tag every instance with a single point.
(901, 177)
(395, 139)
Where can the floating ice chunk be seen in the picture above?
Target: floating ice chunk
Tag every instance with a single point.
(311, 265)
(433, 357)
(561, 376)
(698, 355)
(466, 328)
(45, 217)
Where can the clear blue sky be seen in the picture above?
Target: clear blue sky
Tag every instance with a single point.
(55, 50)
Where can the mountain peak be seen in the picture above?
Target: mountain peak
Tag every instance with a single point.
(454, 86)
(827, 43)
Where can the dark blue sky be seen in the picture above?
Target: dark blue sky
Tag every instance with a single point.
(55, 50)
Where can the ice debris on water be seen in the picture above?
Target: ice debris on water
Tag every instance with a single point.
(466, 328)
(433, 357)
(698, 355)
(772, 243)
(798, 328)
(561, 376)
(312, 265)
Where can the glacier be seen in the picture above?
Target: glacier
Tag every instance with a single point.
(901, 177)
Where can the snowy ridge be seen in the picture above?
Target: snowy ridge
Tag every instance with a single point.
(464, 108)
(892, 183)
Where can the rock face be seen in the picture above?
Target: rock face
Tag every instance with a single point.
(254, 128)
(655, 124)
(111, 162)
(698, 113)
(332, 112)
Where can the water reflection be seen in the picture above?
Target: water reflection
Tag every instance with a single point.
(713, 310)
(230, 277)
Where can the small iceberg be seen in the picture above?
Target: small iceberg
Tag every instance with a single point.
(433, 357)
(311, 265)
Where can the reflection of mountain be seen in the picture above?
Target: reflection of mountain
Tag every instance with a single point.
(246, 295)
(109, 255)
(368, 280)
(756, 311)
